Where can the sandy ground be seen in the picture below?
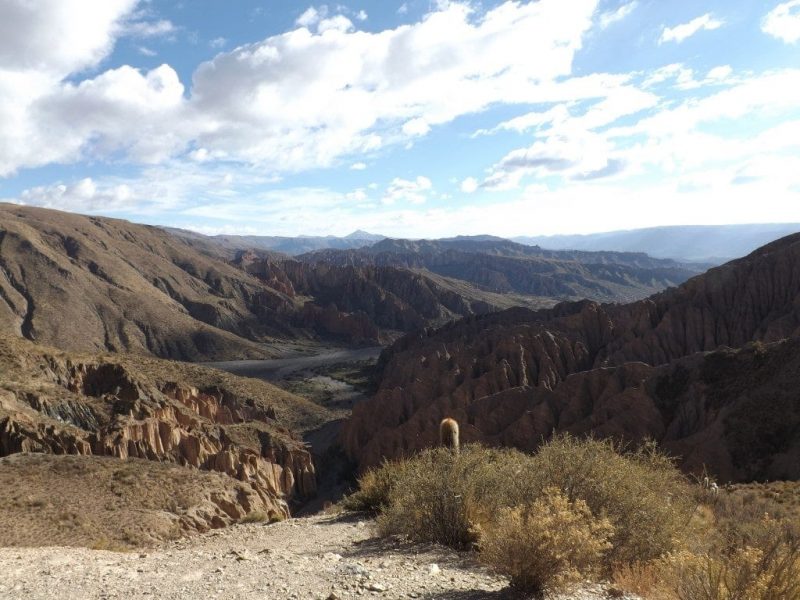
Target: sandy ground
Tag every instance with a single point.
(321, 557)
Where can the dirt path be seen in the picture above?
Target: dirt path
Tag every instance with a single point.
(317, 557)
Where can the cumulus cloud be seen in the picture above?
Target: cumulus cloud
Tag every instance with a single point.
(679, 33)
(84, 38)
(302, 99)
(783, 22)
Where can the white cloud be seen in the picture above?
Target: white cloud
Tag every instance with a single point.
(469, 185)
(783, 22)
(404, 190)
(613, 16)
(301, 100)
(310, 17)
(679, 33)
(145, 51)
(218, 42)
(148, 28)
(358, 166)
(298, 100)
(85, 34)
(362, 15)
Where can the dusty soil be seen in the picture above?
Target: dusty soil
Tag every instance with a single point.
(317, 557)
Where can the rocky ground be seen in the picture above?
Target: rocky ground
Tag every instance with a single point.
(320, 557)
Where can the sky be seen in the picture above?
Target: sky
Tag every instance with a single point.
(409, 119)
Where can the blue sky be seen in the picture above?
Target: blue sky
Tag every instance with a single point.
(417, 119)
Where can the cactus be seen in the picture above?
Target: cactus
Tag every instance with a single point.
(448, 433)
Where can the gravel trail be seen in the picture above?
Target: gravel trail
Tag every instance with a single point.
(320, 557)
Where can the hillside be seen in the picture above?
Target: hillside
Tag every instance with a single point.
(95, 284)
(88, 284)
(141, 412)
(501, 266)
(699, 243)
(623, 370)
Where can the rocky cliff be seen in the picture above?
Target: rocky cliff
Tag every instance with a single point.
(152, 410)
(516, 376)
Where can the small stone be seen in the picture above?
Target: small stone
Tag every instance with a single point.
(376, 587)
(434, 569)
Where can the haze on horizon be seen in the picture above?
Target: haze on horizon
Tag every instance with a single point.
(408, 119)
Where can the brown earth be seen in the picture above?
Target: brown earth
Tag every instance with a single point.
(110, 504)
(130, 407)
(516, 376)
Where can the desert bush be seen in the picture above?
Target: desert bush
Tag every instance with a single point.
(256, 516)
(375, 488)
(548, 545)
(644, 496)
(743, 574)
(443, 496)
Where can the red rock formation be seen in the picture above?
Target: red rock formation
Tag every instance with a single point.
(104, 409)
(514, 377)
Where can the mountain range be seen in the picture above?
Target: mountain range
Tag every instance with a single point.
(96, 284)
(698, 243)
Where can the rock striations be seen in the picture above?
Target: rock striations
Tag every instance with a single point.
(156, 411)
(629, 371)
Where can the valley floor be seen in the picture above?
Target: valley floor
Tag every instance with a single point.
(316, 557)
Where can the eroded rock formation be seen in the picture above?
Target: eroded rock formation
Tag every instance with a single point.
(107, 408)
(514, 377)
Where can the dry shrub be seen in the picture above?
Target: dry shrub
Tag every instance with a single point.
(548, 545)
(375, 488)
(648, 501)
(443, 496)
(646, 580)
(767, 570)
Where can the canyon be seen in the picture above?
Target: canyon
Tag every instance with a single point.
(634, 371)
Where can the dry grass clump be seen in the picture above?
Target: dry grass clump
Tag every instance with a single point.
(547, 545)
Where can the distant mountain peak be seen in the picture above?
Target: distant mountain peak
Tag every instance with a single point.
(360, 234)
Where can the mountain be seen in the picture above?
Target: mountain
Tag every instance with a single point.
(142, 413)
(95, 284)
(662, 367)
(502, 266)
(281, 244)
(88, 283)
(699, 243)
(366, 303)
